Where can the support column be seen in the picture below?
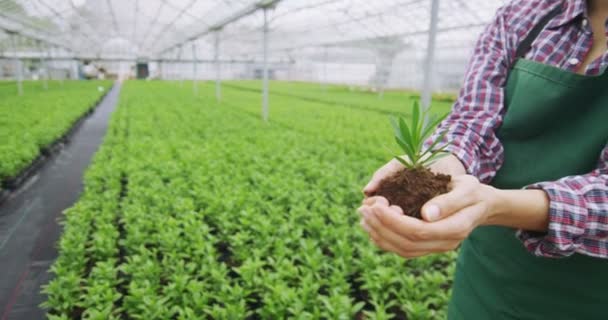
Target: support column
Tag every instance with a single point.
(160, 69)
(218, 80)
(54, 52)
(194, 72)
(290, 60)
(430, 57)
(45, 65)
(75, 69)
(265, 77)
(17, 65)
(324, 81)
(178, 64)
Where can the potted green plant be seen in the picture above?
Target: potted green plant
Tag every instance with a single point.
(414, 185)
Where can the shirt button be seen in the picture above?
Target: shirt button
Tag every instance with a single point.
(574, 61)
(584, 23)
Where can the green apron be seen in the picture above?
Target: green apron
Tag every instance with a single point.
(556, 125)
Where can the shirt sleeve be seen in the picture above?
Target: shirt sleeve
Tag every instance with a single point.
(470, 127)
(578, 216)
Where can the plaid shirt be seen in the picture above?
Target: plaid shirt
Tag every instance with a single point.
(578, 204)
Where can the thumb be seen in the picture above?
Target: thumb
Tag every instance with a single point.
(449, 203)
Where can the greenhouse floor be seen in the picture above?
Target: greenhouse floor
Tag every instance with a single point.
(28, 219)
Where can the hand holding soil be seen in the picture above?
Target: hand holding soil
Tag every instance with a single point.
(410, 186)
(448, 219)
(444, 167)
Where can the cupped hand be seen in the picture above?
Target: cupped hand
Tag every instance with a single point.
(448, 219)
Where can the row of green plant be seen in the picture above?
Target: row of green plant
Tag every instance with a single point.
(9, 87)
(194, 210)
(32, 122)
(391, 101)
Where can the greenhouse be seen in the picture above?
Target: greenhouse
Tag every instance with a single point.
(303, 159)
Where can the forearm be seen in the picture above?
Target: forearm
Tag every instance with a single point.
(520, 209)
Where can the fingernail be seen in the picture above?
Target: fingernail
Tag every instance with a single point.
(432, 212)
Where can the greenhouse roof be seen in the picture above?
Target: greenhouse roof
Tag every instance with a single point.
(159, 28)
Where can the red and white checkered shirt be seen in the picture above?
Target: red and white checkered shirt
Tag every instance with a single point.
(579, 204)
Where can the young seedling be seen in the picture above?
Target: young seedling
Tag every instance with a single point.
(413, 186)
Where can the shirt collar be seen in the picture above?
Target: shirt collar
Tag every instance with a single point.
(572, 10)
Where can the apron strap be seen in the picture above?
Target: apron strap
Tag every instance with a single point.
(525, 46)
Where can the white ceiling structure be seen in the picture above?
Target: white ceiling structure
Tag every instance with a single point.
(153, 29)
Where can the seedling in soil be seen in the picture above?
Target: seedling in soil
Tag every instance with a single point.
(413, 186)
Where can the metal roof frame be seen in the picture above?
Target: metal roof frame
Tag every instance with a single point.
(250, 9)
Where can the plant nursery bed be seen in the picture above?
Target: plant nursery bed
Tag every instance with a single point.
(29, 227)
(232, 218)
(14, 183)
(317, 100)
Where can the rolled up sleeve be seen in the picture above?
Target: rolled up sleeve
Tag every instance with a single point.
(470, 127)
(578, 216)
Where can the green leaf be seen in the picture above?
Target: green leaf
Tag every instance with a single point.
(415, 123)
(406, 148)
(434, 144)
(427, 124)
(432, 125)
(436, 156)
(395, 124)
(407, 138)
(403, 162)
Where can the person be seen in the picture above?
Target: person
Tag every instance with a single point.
(528, 201)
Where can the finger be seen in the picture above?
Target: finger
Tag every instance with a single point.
(396, 209)
(457, 226)
(386, 170)
(365, 226)
(367, 208)
(386, 246)
(376, 199)
(417, 230)
(394, 220)
(403, 243)
(461, 196)
(362, 210)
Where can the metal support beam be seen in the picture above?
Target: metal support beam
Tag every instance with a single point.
(218, 79)
(160, 70)
(265, 81)
(348, 43)
(44, 66)
(179, 65)
(17, 65)
(127, 59)
(13, 26)
(427, 87)
(324, 81)
(262, 4)
(194, 72)
(109, 3)
(75, 69)
(61, 78)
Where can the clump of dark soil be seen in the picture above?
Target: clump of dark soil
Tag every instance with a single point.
(410, 189)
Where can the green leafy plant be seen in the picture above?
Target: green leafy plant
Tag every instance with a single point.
(224, 219)
(411, 138)
(32, 122)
